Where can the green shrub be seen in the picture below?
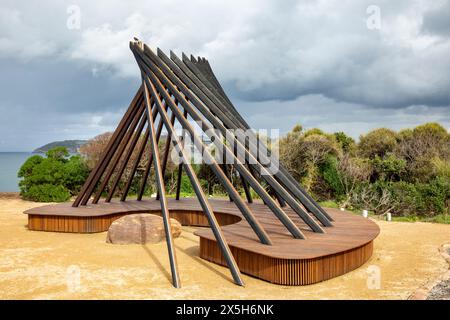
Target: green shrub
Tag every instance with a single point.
(48, 193)
(423, 199)
(331, 175)
(186, 187)
(53, 178)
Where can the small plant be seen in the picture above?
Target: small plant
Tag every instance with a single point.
(54, 178)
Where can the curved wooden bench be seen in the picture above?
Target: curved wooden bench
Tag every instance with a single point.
(344, 247)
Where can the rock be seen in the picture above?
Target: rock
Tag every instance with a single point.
(140, 228)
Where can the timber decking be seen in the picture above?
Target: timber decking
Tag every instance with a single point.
(288, 261)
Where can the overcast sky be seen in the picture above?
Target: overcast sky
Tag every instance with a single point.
(326, 64)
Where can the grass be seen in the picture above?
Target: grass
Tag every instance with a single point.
(440, 218)
(329, 204)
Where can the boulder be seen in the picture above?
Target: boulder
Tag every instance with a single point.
(140, 228)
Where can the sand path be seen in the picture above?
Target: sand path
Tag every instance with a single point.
(40, 265)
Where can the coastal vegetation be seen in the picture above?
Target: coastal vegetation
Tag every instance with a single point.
(53, 178)
(406, 173)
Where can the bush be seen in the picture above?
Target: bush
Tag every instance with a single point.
(48, 193)
(423, 199)
(377, 142)
(53, 178)
(330, 173)
(186, 187)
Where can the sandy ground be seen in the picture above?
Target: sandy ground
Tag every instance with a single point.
(41, 265)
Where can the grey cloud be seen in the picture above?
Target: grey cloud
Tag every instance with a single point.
(437, 20)
(313, 62)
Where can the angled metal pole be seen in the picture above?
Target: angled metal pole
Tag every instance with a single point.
(248, 215)
(115, 155)
(129, 152)
(180, 166)
(200, 194)
(245, 125)
(295, 231)
(166, 153)
(118, 154)
(280, 214)
(96, 173)
(161, 188)
(136, 164)
(210, 100)
(227, 173)
(244, 154)
(150, 161)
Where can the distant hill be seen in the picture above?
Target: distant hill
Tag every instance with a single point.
(71, 145)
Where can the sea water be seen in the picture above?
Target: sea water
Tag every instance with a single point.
(10, 163)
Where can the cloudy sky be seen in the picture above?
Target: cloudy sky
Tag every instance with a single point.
(327, 64)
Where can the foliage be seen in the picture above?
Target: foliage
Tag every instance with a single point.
(186, 186)
(346, 143)
(378, 142)
(405, 172)
(47, 193)
(52, 178)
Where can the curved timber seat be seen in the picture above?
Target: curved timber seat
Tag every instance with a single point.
(344, 247)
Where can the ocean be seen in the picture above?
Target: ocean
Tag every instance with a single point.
(10, 162)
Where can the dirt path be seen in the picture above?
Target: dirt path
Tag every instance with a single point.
(40, 265)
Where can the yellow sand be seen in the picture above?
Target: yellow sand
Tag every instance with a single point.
(44, 265)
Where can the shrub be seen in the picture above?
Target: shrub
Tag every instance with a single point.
(332, 176)
(423, 199)
(389, 168)
(377, 142)
(53, 178)
(47, 193)
(186, 186)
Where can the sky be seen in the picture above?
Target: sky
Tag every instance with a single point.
(66, 71)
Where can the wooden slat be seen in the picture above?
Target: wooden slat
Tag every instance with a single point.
(288, 261)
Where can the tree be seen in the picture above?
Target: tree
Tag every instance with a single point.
(421, 147)
(352, 173)
(303, 152)
(346, 142)
(378, 142)
(94, 148)
(53, 178)
(389, 168)
(316, 148)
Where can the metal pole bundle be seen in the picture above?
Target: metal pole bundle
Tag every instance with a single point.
(188, 88)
